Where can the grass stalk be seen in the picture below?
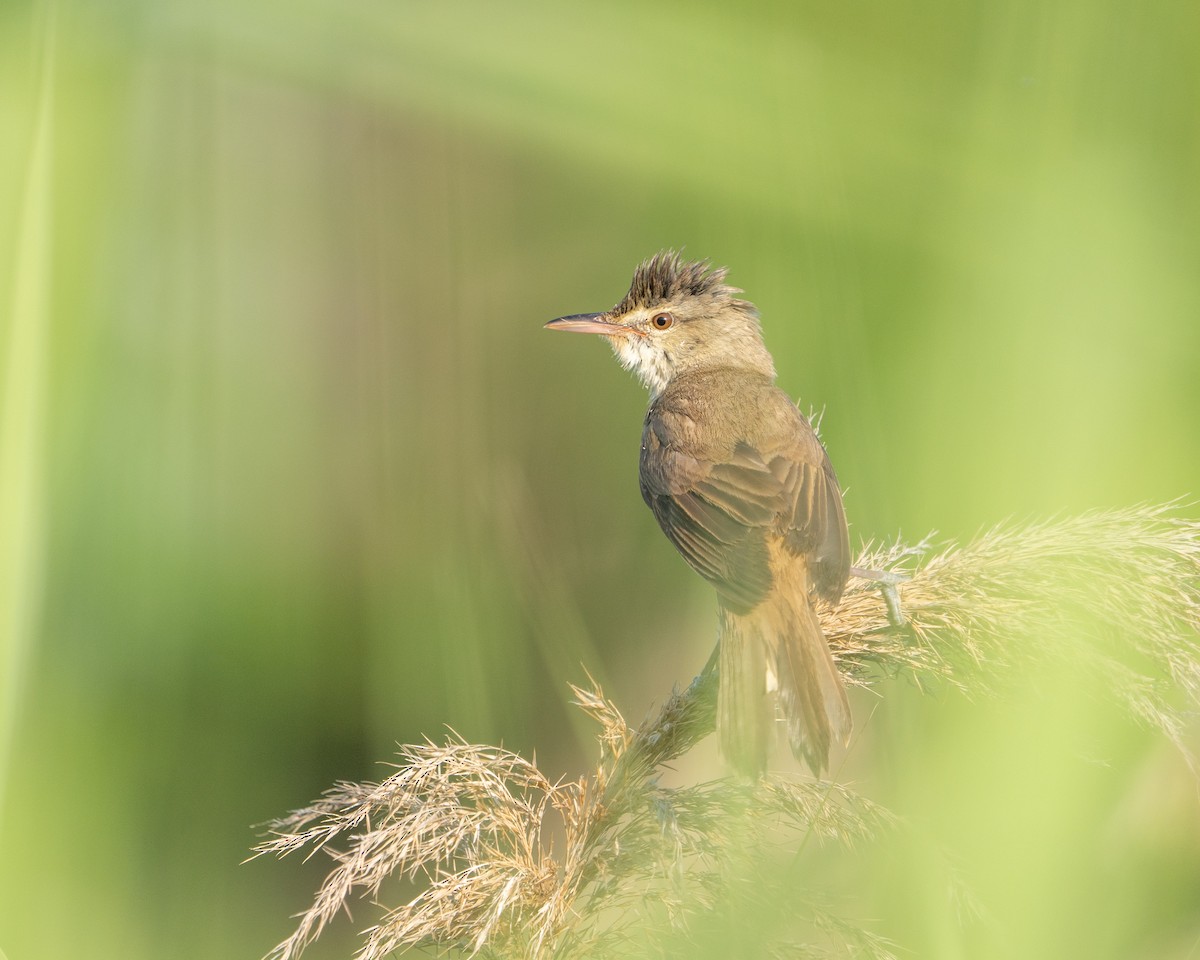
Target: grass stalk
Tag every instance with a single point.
(23, 355)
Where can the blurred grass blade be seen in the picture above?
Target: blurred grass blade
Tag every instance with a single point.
(22, 411)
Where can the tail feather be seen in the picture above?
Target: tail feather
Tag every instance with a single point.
(744, 707)
(810, 689)
(777, 653)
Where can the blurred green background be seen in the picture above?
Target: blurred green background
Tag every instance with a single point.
(289, 471)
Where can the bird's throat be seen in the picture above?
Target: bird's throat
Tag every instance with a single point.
(648, 361)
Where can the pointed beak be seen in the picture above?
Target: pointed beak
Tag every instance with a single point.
(585, 323)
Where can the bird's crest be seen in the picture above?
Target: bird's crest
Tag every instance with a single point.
(666, 277)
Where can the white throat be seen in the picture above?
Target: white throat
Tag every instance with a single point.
(648, 361)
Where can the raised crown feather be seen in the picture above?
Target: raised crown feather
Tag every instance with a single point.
(666, 277)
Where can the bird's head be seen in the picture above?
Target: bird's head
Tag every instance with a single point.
(677, 317)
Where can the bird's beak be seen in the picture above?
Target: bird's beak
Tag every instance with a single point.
(585, 323)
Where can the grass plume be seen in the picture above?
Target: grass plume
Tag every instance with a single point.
(1115, 594)
(512, 864)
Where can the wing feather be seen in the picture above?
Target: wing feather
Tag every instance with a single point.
(719, 513)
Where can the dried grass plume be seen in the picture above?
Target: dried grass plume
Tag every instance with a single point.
(506, 862)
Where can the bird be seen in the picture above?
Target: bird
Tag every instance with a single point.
(744, 489)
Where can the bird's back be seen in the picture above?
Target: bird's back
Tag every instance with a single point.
(729, 464)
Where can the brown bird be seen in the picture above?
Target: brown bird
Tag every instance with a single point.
(745, 491)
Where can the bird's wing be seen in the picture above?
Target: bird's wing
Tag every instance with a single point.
(716, 514)
(817, 527)
(719, 514)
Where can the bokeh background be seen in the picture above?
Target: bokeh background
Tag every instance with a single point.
(289, 471)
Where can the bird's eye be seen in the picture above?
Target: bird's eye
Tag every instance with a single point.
(661, 321)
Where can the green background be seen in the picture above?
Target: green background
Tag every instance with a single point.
(289, 471)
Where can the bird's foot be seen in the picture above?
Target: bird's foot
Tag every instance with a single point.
(888, 581)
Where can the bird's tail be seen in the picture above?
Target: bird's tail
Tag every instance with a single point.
(777, 655)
